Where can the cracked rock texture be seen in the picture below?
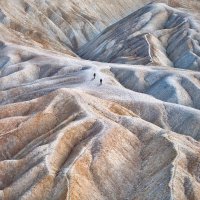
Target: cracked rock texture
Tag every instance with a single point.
(64, 136)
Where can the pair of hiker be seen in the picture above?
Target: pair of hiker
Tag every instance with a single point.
(100, 79)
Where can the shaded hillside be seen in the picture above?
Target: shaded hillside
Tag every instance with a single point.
(61, 24)
(63, 135)
(155, 34)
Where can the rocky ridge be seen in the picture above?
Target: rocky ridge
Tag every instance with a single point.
(65, 136)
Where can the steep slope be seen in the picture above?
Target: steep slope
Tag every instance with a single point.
(87, 157)
(175, 86)
(155, 34)
(62, 24)
(65, 25)
(63, 135)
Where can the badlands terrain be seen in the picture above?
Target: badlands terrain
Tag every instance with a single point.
(64, 136)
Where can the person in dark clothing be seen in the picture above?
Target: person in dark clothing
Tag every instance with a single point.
(101, 81)
(94, 75)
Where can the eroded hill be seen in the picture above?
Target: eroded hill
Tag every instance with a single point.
(65, 136)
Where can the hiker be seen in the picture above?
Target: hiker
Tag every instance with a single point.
(94, 75)
(101, 81)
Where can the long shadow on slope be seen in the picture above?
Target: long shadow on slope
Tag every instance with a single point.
(172, 39)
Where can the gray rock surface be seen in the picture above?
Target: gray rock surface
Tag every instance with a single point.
(155, 34)
(63, 135)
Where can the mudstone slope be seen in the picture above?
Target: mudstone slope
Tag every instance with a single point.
(63, 135)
